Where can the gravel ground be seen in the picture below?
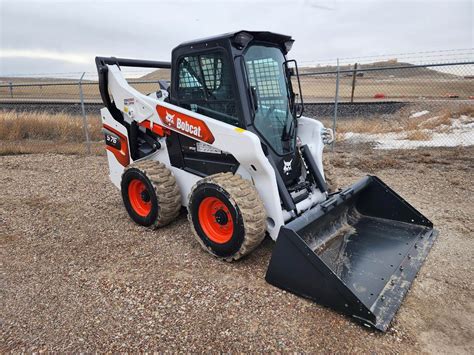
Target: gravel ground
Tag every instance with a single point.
(78, 275)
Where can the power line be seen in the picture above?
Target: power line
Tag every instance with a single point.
(415, 55)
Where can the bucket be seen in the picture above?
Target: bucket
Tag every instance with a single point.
(357, 252)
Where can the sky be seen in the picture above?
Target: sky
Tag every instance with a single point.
(46, 36)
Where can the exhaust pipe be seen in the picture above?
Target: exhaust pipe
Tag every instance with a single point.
(357, 252)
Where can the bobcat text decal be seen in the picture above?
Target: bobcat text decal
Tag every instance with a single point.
(188, 125)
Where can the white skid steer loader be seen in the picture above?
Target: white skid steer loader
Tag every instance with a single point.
(227, 140)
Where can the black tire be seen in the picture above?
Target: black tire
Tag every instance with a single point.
(243, 208)
(160, 199)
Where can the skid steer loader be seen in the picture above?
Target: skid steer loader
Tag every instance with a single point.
(227, 140)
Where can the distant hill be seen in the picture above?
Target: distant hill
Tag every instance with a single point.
(164, 74)
(29, 80)
(400, 73)
(160, 74)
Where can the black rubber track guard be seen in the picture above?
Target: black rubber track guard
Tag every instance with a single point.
(358, 252)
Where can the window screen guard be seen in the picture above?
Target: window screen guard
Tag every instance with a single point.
(205, 84)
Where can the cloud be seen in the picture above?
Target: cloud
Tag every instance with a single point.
(68, 34)
(45, 54)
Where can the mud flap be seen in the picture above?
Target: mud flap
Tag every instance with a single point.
(358, 252)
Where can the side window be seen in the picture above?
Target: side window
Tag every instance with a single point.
(205, 85)
(212, 71)
(265, 75)
(189, 82)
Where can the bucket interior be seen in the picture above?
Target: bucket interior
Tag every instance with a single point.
(357, 252)
(363, 242)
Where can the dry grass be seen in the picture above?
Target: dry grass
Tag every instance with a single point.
(41, 132)
(466, 110)
(63, 133)
(66, 92)
(419, 135)
(15, 126)
(441, 121)
(371, 125)
(363, 125)
(314, 88)
(39, 146)
(416, 127)
(323, 88)
(433, 122)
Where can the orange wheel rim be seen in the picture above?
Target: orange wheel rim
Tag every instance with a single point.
(215, 220)
(139, 197)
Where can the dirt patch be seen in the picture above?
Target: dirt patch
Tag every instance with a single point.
(78, 275)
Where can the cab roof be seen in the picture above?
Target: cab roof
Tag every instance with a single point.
(263, 36)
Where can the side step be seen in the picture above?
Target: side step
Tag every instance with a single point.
(358, 252)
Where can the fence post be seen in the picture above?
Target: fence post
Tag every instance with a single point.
(11, 89)
(336, 100)
(354, 74)
(84, 117)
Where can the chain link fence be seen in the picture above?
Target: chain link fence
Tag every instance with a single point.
(393, 105)
(382, 105)
(58, 115)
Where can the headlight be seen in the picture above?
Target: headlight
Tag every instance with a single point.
(327, 135)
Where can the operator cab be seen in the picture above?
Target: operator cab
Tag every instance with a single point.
(244, 79)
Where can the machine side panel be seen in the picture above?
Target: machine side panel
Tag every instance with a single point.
(116, 164)
(245, 146)
(309, 131)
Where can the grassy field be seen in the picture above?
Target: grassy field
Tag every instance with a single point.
(416, 128)
(314, 88)
(61, 92)
(317, 88)
(23, 132)
(395, 84)
(41, 132)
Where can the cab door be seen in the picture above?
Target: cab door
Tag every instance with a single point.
(204, 83)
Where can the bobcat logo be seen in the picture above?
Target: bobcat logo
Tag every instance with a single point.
(287, 167)
(170, 118)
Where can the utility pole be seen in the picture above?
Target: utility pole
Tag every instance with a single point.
(354, 75)
(84, 117)
(336, 100)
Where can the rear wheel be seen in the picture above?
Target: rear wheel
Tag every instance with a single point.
(150, 194)
(226, 215)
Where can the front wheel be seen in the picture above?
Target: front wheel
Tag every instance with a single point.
(226, 215)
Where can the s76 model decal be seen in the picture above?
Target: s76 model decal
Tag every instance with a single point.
(185, 124)
(117, 144)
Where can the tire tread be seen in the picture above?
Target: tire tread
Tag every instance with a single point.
(166, 190)
(244, 195)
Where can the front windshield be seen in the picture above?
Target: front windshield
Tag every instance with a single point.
(273, 116)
